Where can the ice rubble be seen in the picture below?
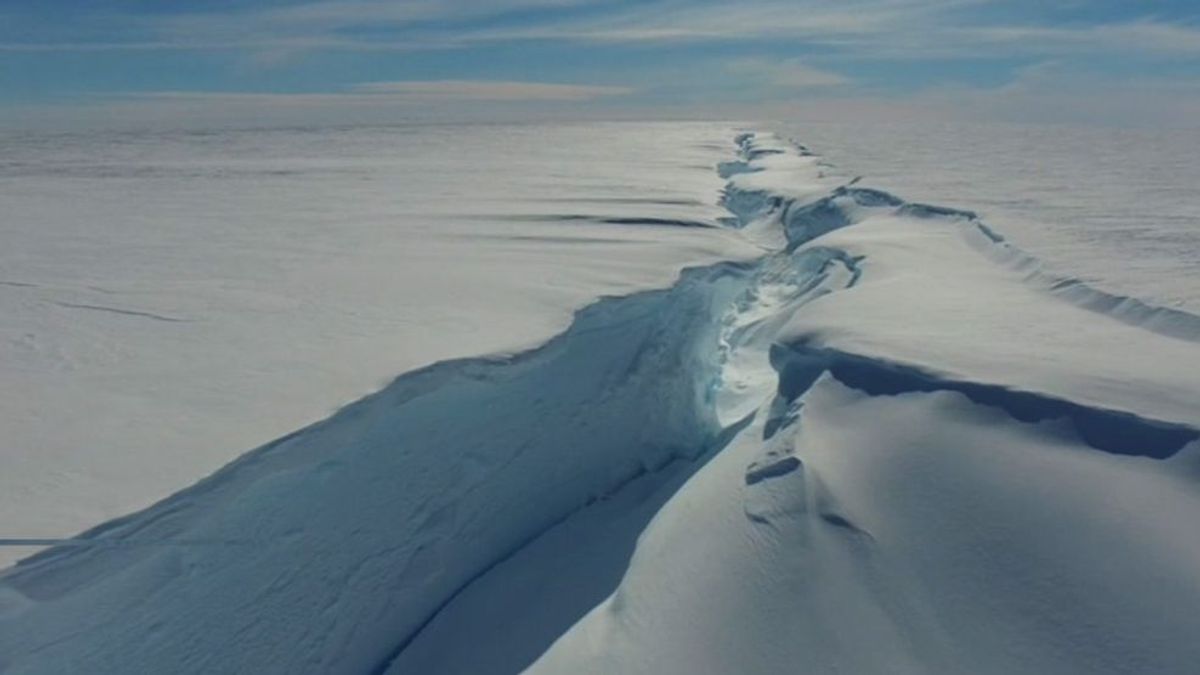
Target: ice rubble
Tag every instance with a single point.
(871, 450)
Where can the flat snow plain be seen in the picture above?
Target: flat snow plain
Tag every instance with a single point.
(856, 434)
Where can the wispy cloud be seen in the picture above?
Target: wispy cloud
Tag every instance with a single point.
(426, 24)
(346, 22)
(401, 92)
(337, 13)
(1140, 36)
(912, 29)
(706, 21)
(1056, 91)
(786, 74)
(682, 53)
(321, 24)
(474, 90)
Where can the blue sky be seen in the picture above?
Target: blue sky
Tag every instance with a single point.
(146, 61)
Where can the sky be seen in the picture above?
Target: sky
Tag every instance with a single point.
(220, 62)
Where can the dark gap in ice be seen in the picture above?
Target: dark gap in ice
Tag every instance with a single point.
(1114, 431)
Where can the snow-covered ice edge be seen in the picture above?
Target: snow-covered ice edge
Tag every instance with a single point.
(953, 470)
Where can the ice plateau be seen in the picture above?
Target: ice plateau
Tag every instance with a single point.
(888, 442)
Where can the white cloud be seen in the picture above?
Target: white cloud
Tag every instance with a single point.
(679, 21)
(487, 90)
(851, 29)
(789, 74)
(844, 34)
(1057, 92)
(324, 18)
(431, 24)
(310, 26)
(1143, 36)
(400, 92)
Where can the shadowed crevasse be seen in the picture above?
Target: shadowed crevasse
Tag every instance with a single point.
(1113, 431)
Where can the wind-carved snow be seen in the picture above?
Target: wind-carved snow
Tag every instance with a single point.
(172, 299)
(872, 450)
(926, 486)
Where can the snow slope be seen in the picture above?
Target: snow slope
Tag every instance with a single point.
(959, 470)
(171, 300)
(890, 443)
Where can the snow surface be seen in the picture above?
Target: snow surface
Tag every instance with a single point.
(949, 475)
(171, 300)
(888, 441)
(1115, 206)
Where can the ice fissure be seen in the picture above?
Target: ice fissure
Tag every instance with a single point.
(381, 539)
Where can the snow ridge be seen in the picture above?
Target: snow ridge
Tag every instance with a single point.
(1112, 431)
(804, 219)
(920, 490)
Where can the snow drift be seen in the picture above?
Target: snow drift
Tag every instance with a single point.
(889, 445)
